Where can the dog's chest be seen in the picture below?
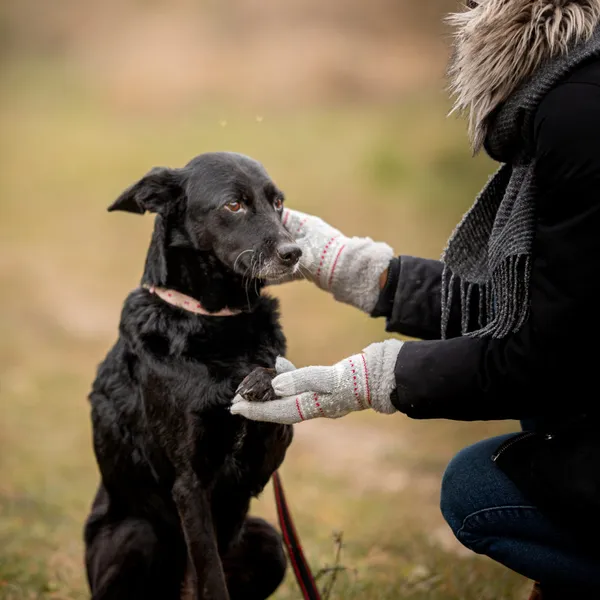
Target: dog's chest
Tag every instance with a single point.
(186, 406)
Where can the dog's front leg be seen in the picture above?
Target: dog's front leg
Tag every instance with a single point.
(195, 513)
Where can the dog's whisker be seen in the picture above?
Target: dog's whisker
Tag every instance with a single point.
(246, 283)
(258, 273)
(240, 256)
(252, 269)
(303, 270)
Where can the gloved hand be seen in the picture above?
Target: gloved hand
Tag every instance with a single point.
(350, 268)
(357, 383)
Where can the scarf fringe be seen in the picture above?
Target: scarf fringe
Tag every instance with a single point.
(503, 305)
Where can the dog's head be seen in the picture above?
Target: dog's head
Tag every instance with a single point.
(220, 202)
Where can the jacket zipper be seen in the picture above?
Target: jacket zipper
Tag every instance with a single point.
(510, 442)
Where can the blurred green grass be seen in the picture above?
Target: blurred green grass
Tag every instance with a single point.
(400, 173)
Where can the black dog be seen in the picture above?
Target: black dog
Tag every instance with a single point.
(178, 470)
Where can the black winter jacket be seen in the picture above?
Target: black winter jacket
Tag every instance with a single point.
(549, 368)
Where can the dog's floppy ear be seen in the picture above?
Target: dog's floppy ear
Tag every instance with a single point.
(154, 192)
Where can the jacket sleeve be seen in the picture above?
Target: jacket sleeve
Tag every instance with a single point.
(548, 367)
(411, 300)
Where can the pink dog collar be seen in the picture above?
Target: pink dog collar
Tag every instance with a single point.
(187, 302)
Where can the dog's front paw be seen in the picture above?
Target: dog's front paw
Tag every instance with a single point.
(256, 387)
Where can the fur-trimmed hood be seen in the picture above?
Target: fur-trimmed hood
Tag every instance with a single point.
(500, 43)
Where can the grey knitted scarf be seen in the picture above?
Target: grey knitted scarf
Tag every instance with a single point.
(488, 256)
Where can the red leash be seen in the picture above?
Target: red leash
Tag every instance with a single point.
(302, 571)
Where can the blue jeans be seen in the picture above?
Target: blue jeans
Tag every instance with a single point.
(490, 516)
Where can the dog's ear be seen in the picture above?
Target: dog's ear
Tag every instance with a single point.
(155, 192)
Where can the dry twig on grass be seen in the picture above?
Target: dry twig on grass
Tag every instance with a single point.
(335, 569)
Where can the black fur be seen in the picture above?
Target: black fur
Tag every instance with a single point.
(177, 469)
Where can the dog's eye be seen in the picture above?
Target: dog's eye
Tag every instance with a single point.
(278, 204)
(234, 206)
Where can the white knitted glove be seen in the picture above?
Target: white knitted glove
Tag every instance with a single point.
(362, 381)
(350, 268)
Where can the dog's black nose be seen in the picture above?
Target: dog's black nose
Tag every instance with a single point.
(289, 254)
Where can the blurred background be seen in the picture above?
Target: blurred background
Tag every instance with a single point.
(344, 102)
